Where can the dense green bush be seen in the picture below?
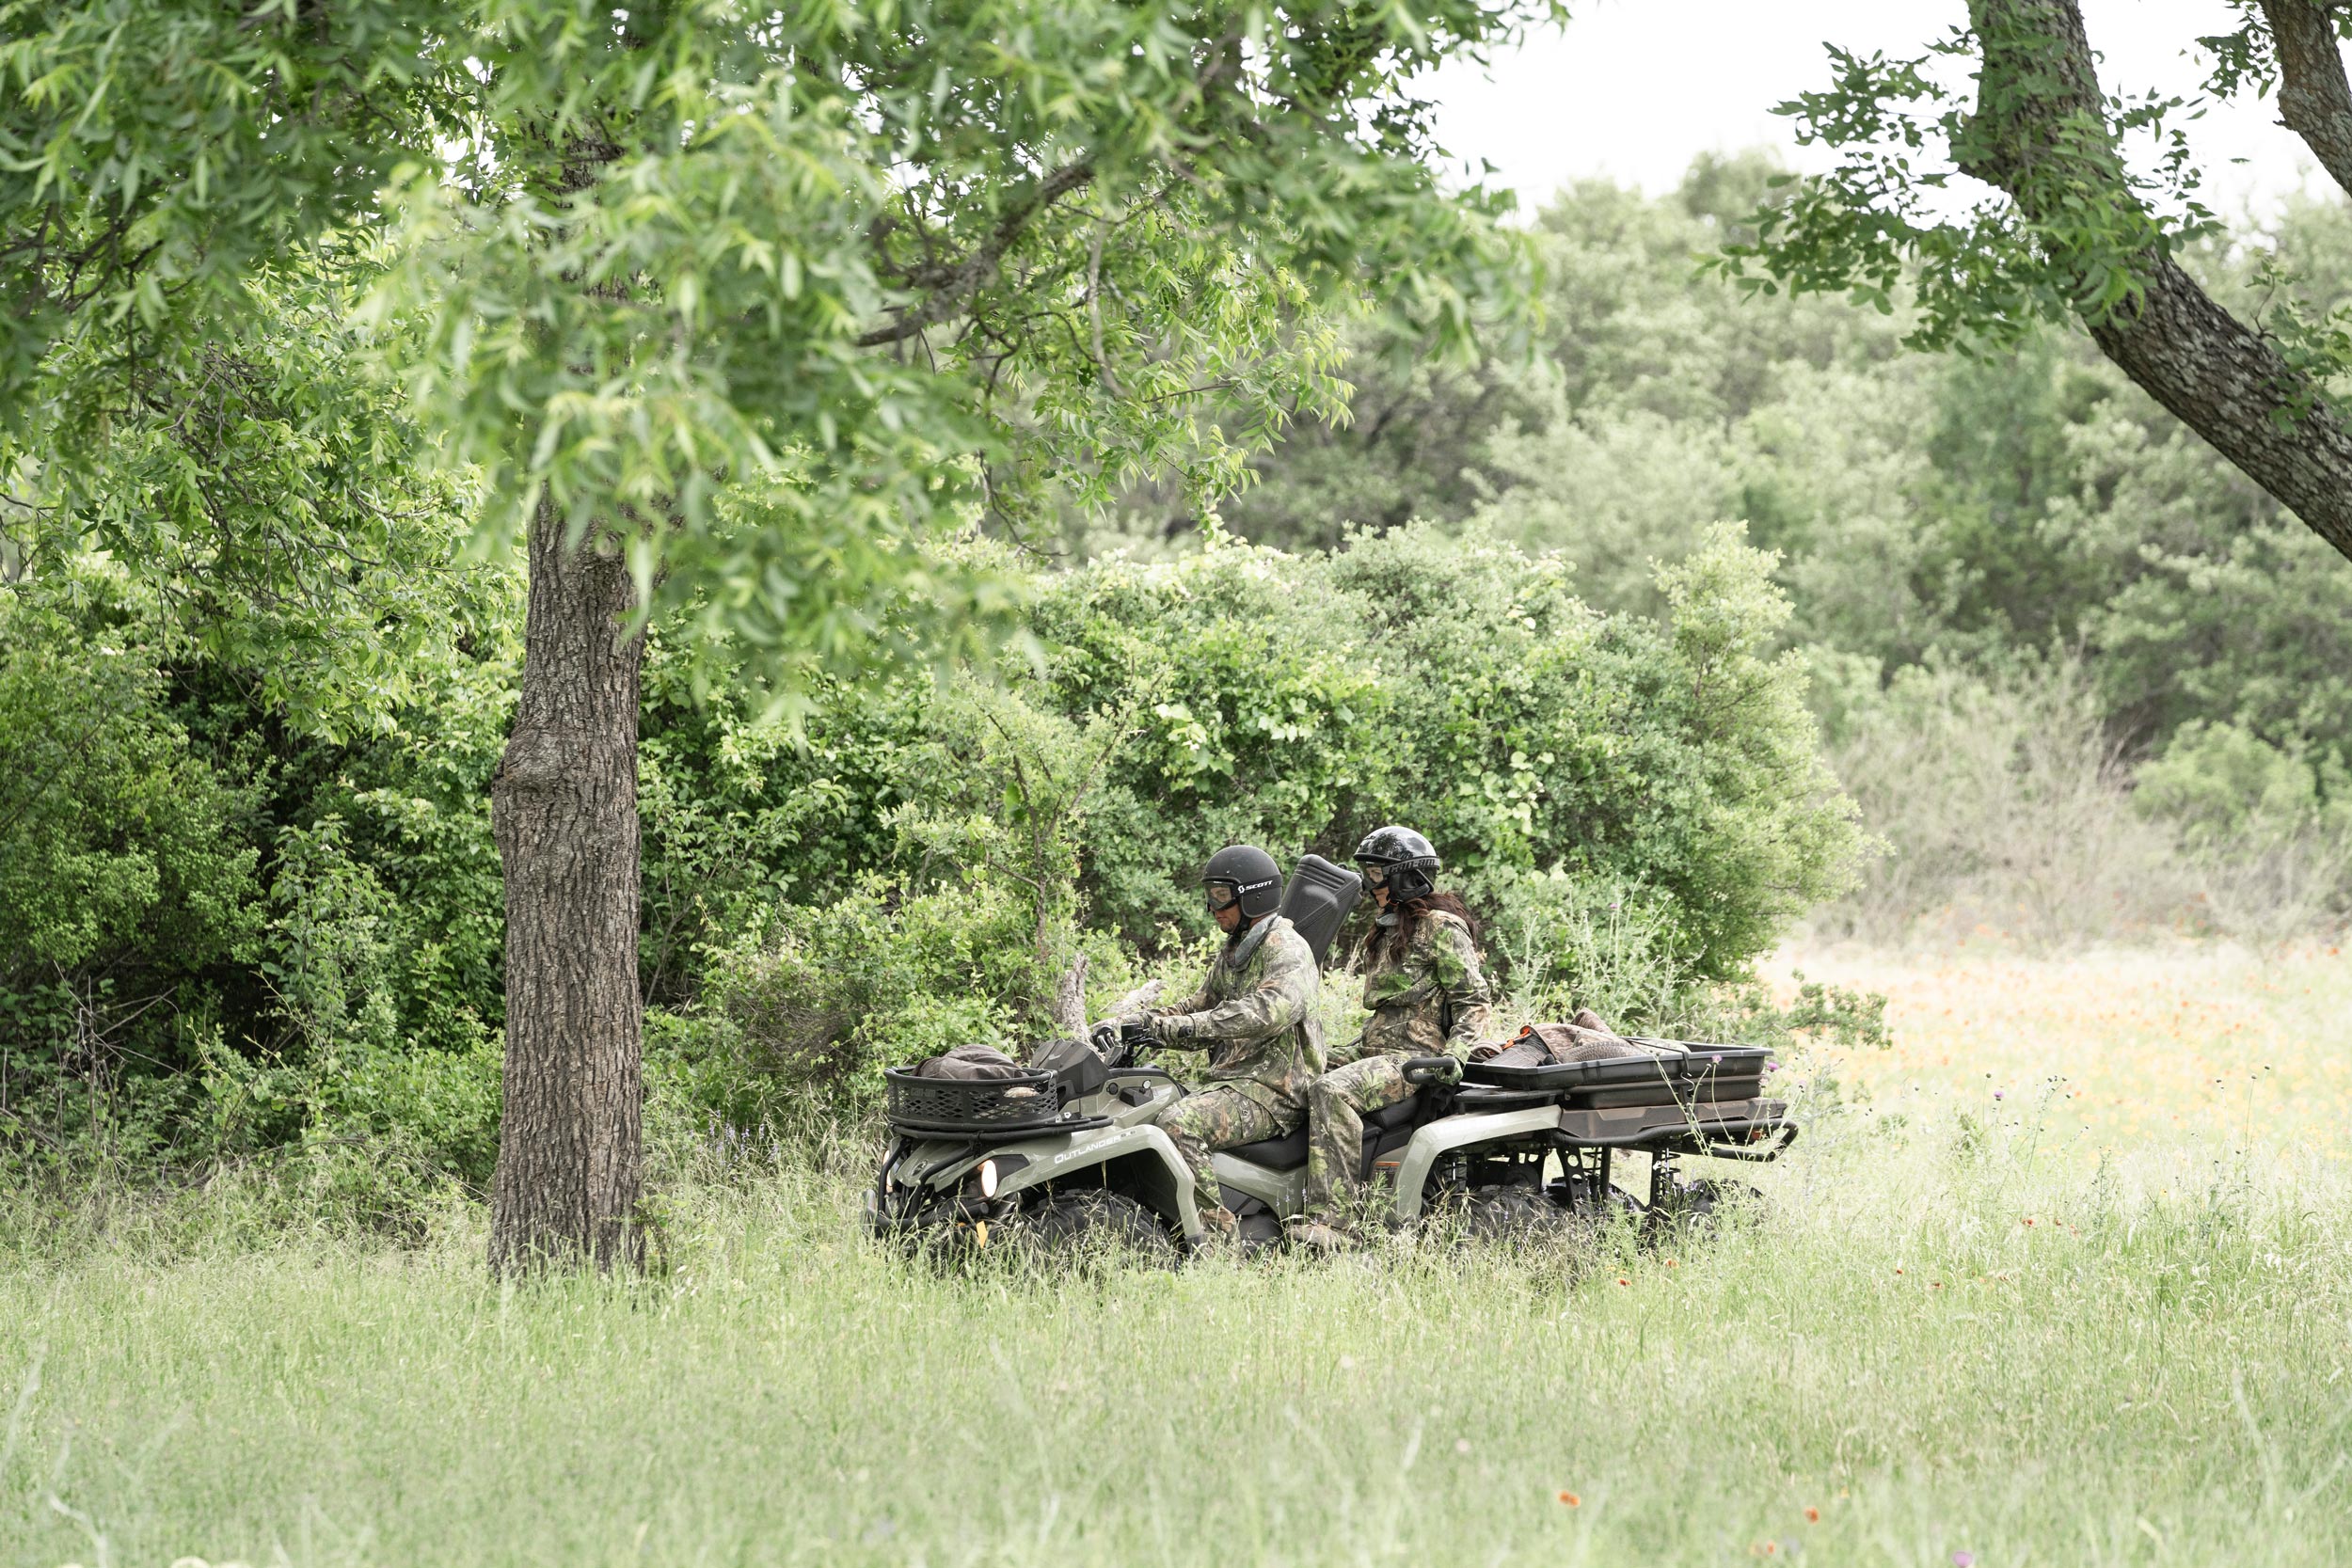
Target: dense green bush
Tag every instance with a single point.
(221, 937)
(1457, 683)
(921, 861)
(128, 889)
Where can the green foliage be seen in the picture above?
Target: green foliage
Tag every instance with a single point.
(224, 940)
(153, 152)
(778, 301)
(822, 998)
(2071, 242)
(128, 879)
(270, 495)
(117, 838)
(1458, 684)
(2271, 830)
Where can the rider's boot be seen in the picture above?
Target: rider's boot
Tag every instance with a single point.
(1318, 1236)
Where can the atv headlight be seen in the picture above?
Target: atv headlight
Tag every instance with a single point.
(988, 1179)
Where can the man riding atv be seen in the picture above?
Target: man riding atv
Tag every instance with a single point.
(1250, 1017)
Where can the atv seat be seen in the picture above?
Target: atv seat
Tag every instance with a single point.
(1388, 1128)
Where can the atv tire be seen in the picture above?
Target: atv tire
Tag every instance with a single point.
(1091, 1226)
(1695, 1206)
(1514, 1213)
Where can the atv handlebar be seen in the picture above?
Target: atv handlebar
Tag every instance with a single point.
(1116, 1041)
(1420, 1071)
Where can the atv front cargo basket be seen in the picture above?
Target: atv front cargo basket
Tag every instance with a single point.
(917, 1104)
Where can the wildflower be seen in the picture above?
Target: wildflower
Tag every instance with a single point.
(1812, 1515)
(1570, 1498)
(1461, 1444)
(1964, 1560)
(1622, 1280)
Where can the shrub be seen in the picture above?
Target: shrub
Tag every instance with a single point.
(825, 996)
(1456, 684)
(127, 876)
(2269, 833)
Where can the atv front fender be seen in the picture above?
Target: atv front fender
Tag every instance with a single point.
(1137, 1160)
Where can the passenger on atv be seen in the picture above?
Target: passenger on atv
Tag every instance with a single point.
(1250, 1017)
(1426, 990)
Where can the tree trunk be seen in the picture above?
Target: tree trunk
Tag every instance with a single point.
(564, 808)
(2040, 134)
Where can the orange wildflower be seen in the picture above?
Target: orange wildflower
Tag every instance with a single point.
(1812, 1515)
(1570, 1498)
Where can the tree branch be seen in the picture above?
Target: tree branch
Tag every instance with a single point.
(947, 287)
(2040, 134)
(2315, 99)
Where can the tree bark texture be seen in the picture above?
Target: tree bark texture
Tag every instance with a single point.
(2315, 99)
(2037, 95)
(565, 811)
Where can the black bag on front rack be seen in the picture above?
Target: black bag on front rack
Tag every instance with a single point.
(1075, 1065)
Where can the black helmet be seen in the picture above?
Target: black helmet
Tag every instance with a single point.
(1400, 860)
(1247, 874)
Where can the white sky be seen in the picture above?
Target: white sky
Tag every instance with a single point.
(1634, 88)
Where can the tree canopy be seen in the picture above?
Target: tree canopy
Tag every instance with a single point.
(2048, 196)
(773, 294)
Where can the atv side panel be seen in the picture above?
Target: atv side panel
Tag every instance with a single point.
(1282, 1191)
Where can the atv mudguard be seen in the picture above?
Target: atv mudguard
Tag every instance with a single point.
(1450, 1133)
(1148, 1168)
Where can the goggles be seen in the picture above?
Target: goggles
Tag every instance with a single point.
(1375, 873)
(1220, 896)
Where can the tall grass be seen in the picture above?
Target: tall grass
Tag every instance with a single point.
(1945, 1330)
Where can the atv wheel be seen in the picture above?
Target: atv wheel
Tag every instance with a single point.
(1513, 1212)
(1696, 1204)
(1091, 1226)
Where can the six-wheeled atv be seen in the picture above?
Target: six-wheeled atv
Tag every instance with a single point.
(1066, 1155)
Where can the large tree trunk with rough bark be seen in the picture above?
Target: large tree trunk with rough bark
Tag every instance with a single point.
(565, 807)
(2041, 133)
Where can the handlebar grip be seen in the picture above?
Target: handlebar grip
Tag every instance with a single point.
(1423, 1070)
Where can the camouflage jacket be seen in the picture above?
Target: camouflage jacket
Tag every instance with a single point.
(1431, 1000)
(1253, 1020)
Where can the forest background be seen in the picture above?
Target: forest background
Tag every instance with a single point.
(1713, 619)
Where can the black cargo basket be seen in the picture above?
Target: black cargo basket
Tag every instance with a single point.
(918, 1105)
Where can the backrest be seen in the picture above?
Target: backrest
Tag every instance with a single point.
(1318, 899)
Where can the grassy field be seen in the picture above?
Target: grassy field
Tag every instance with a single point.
(2104, 1318)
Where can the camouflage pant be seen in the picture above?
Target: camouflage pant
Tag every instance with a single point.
(1200, 1124)
(1336, 1104)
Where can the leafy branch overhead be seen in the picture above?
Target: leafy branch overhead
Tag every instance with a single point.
(2078, 222)
(898, 267)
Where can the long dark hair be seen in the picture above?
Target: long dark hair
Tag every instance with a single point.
(1414, 910)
